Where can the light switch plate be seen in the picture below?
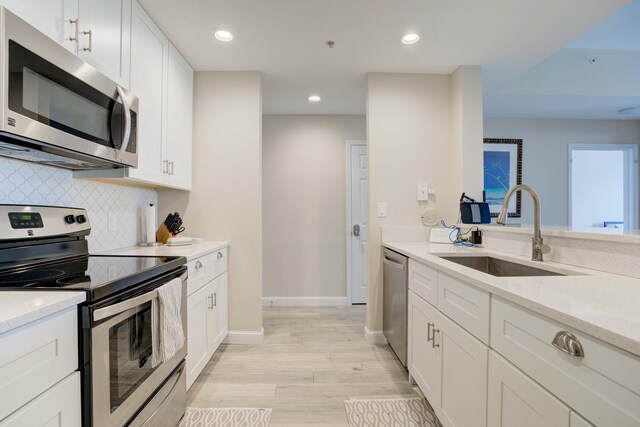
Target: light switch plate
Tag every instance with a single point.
(423, 192)
(382, 209)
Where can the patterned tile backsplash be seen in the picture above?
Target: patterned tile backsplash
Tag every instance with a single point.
(28, 183)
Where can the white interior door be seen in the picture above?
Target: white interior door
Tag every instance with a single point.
(357, 220)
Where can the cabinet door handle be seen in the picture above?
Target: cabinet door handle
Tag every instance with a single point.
(429, 326)
(215, 299)
(210, 298)
(90, 34)
(198, 265)
(220, 255)
(433, 339)
(568, 343)
(165, 166)
(171, 164)
(76, 33)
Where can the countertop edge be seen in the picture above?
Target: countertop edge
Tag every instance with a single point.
(32, 314)
(583, 325)
(190, 252)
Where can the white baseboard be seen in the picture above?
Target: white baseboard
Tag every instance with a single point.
(245, 337)
(303, 301)
(374, 337)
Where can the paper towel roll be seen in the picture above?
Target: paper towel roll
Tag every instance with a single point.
(151, 218)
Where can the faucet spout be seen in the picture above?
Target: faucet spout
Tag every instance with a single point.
(538, 247)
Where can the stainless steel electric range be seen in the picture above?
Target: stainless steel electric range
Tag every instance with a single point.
(45, 248)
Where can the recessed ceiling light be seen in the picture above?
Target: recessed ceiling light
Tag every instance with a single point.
(223, 35)
(625, 111)
(410, 38)
(314, 98)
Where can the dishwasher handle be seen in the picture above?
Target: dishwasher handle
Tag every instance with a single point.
(394, 264)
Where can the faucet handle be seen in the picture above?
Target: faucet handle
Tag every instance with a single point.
(541, 247)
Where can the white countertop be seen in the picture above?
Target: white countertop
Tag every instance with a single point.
(606, 306)
(189, 251)
(18, 308)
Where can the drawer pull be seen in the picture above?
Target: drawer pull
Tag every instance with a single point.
(429, 326)
(198, 265)
(433, 339)
(568, 343)
(220, 255)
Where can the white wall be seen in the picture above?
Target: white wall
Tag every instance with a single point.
(226, 200)
(304, 203)
(30, 183)
(412, 123)
(545, 156)
(466, 131)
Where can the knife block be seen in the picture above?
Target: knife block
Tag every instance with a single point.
(163, 234)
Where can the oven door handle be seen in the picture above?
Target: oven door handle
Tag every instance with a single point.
(112, 310)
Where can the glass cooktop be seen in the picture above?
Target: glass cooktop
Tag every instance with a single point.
(99, 276)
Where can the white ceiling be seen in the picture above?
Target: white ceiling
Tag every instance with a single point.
(285, 40)
(568, 85)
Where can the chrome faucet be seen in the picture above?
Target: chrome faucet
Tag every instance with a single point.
(538, 247)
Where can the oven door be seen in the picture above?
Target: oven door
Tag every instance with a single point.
(122, 376)
(53, 97)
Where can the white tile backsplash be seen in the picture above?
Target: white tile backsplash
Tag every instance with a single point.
(29, 183)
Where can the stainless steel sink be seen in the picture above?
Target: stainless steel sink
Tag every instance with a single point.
(499, 267)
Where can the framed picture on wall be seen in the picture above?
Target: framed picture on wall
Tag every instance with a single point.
(502, 170)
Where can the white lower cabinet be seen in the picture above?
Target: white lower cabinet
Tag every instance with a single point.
(59, 406)
(448, 364)
(515, 400)
(424, 359)
(464, 376)
(517, 378)
(207, 324)
(39, 381)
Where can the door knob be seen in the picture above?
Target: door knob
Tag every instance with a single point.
(356, 230)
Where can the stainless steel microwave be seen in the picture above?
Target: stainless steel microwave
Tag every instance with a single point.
(58, 110)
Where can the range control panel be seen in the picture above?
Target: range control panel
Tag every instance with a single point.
(25, 220)
(18, 222)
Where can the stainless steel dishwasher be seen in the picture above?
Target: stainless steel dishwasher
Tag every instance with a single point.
(394, 303)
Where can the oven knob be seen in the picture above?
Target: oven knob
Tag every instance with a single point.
(81, 219)
(69, 219)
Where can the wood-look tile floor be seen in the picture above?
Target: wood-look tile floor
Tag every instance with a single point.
(312, 360)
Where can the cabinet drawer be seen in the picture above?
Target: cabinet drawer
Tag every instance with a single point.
(603, 386)
(466, 305)
(36, 356)
(423, 281)
(206, 268)
(57, 407)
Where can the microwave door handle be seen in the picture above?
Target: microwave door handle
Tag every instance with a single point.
(127, 123)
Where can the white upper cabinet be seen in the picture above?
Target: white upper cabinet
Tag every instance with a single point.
(179, 120)
(99, 31)
(163, 82)
(149, 54)
(55, 18)
(104, 37)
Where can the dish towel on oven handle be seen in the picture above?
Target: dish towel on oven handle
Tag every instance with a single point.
(167, 333)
